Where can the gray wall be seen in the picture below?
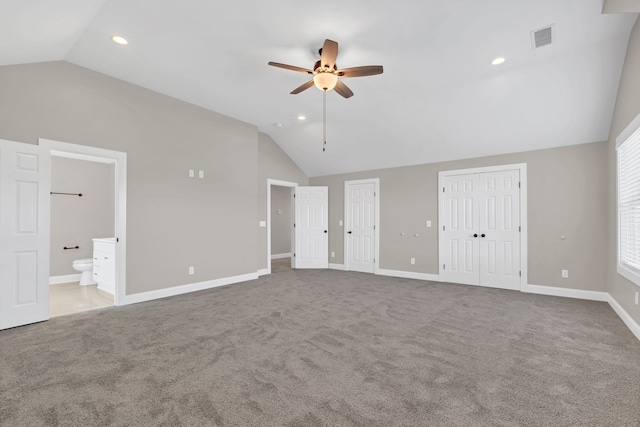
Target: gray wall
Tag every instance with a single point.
(77, 220)
(173, 221)
(274, 164)
(627, 108)
(281, 223)
(567, 192)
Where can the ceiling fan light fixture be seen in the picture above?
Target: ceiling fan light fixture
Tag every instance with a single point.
(325, 80)
(498, 61)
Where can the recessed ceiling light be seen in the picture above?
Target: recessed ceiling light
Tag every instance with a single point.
(498, 61)
(119, 40)
(302, 118)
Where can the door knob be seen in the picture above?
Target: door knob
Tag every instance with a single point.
(348, 232)
(475, 235)
(482, 235)
(325, 231)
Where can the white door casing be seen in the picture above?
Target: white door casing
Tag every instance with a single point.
(119, 159)
(311, 227)
(24, 233)
(360, 227)
(483, 231)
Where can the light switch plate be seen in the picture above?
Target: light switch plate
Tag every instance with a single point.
(263, 223)
(340, 223)
(428, 223)
(201, 174)
(191, 173)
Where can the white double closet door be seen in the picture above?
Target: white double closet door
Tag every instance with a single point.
(481, 229)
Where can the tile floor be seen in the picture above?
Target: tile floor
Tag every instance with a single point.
(70, 298)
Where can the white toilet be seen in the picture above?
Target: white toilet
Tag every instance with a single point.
(85, 267)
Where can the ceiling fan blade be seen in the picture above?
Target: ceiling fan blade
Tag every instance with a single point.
(329, 54)
(343, 90)
(305, 86)
(369, 70)
(290, 67)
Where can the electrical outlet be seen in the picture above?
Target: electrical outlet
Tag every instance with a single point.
(565, 274)
(413, 261)
(333, 255)
(636, 298)
(192, 270)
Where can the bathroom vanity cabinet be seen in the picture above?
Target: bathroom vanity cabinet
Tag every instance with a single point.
(104, 264)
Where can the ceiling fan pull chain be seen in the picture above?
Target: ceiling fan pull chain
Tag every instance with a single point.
(324, 120)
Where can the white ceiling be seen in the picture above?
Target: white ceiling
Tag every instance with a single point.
(438, 99)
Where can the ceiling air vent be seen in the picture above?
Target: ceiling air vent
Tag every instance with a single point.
(542, 37)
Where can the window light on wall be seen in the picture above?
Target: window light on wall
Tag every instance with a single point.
(628, 149)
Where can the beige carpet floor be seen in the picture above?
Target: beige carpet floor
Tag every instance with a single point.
(326, 348)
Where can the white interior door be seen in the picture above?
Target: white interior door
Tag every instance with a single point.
(499, 223)
(24, 233)
(481, 229)
(461, 231)
(311, 227)
(360, 227)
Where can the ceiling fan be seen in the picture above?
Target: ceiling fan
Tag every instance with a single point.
(326, 75)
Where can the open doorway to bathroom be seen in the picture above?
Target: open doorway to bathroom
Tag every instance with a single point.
(82, 209)
(88, 228)
(280, 219)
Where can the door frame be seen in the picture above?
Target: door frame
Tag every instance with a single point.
(376, 234)
(522, 168)
(119, 160)
(279, 183)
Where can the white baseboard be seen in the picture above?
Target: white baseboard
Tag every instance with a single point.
(566, 292)
(626, 318)
(184, 289)
(56, 280)
(587, 295)
(263, 272)
(280, 256)
(340, 267)
(409, 275)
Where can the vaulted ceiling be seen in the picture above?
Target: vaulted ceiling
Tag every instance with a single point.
(440, 98)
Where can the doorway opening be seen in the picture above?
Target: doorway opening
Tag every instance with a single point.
(82, 209)
(280, 225)
(97, 244)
